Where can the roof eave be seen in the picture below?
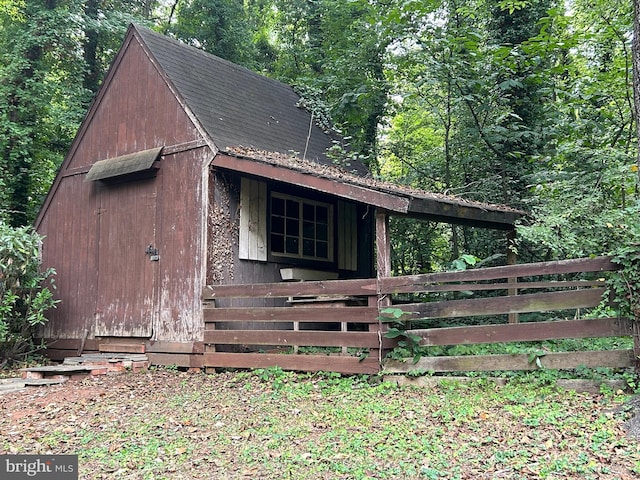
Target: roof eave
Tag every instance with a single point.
(403, 204)
(462, 214)
(393, 203)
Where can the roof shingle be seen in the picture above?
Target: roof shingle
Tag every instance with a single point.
(236, 106)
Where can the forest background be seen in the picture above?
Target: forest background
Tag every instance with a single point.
(529, 103)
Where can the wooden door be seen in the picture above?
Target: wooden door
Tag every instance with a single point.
(126, 304)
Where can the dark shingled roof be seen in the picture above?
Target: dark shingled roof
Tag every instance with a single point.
(238, 107)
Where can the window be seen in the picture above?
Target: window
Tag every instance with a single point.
(295, 227)
(301, 228)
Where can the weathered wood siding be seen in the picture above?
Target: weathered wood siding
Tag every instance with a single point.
(224, 266)
(181, 243)
(97, 233)
(126, 225)
(71, 247)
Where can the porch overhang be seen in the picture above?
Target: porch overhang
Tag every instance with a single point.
(463, 214)
(394, 199)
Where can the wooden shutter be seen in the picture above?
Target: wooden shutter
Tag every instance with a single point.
(253, 220)
(347, 236)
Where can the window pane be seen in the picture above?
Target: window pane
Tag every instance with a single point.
(293, 209)
(277, 206)
(292, 245)
(308, 230)
(322, 232)
(322, 214)
(308, 212)
(292, 227)
(322, 250)
(277, 243)
(307, 248)
(277, 225)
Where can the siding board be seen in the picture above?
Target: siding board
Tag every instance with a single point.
(134, 111)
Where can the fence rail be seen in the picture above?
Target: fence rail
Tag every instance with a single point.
(560, 295)
(325, 325)
(335, 325)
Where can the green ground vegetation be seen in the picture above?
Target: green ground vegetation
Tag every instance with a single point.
(275, 424)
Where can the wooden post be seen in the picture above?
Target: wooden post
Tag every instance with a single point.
(512, 259)
(383, 247)
(383, 269)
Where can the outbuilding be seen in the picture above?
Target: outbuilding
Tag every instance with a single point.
(189, 171)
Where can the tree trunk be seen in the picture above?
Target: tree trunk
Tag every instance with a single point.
(635, 49)
(92, 76)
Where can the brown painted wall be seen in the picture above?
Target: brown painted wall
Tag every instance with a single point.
(97, 233)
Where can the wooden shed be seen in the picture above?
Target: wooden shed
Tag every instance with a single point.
(191, 171)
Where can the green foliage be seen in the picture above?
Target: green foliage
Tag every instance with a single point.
(586, 204)
(220, 27)
(408, 343)
(25, 292)
(43, 96)
(463, 262)
(625, 283)
(318, 42)
(525, 102)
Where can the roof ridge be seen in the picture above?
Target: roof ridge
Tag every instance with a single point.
(198, 51)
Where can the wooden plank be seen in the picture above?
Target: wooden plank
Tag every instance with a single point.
(70, 344)
(523, 332)
(512, 259)
(464, 214)
(183, 147)
(347, 232)
(59, 368)
(179, 360)
(290, 338)
(307, 363)
(396, 203)
(252, 243)
(175, 347)
(289, 314)
(475, 287)
(356, 287)
(598, 264)
(58, 355)
(74, 171)
(122, 347)
(383, 244)
(538, 302)
(486, 363)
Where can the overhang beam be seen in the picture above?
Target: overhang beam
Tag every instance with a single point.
(394, 203)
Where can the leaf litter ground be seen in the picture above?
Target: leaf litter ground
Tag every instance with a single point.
(271, 425)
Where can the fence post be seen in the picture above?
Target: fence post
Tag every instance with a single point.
(383, 264)
(512, 259)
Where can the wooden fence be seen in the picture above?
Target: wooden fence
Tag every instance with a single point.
(335, 325)
(259, 336)
(517, 289)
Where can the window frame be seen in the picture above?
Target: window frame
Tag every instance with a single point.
(300, 256)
